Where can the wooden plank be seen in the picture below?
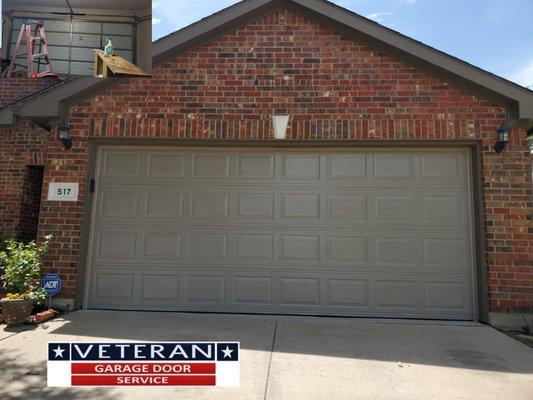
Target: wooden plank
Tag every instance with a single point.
(114, 66)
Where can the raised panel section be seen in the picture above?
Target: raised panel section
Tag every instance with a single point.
(447, 209)
(435, 166)
(209, 245)
(345, 248)
(347, 208)
(444, 251)
(213, 205)
(300, 247)
(252, 290)
(162, 246)
(301, 206)
(347, 166)
(111, 286)
(256, 166)
(160, 288)
(116, 245)
(396, 251)
(302, 291)
(166, 165)
(446, 295)
(211, 166)
(394, 209)
(393, 166)
(301, 166)
(167, 205)
(207, 288)
(119, 204)
(396, 294)
(255, 206)
(255, 246)
(122, 164)
(348, 292)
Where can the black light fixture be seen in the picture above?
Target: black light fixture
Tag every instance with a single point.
(503, 138)
(63, 130)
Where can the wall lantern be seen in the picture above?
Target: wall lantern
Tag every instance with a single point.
(280, 123)
(529, 140)
(63, 130)
(503, 138)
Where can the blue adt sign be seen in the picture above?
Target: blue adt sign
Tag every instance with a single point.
(51, 283)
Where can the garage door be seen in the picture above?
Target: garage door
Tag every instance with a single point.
(337, 232)
(71, 43)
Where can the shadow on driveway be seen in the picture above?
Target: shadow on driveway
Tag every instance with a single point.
(461, 345)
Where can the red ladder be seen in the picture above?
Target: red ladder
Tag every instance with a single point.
(32, 57)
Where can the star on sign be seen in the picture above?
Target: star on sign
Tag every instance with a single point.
(59, 352)
(227, 352)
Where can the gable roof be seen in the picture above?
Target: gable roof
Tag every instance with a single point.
(517, 100)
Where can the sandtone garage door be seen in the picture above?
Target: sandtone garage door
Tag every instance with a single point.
(377, 232)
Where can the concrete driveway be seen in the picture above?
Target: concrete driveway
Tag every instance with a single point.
(291, 357)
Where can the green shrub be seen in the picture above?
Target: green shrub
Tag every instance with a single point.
(21, 268)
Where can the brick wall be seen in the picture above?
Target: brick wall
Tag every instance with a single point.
(12, 90)
(334, 89)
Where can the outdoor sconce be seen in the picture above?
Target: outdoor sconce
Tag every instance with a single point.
(63, 130)
(280, 123)
(503, 138)
(529, 140)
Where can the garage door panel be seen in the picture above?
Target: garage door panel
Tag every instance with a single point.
(115, 245)
(394, 208)
(394, 166)
(255, 206)
(117, 203)
(300, 292)
(332, 250)
(256, 166)
(347, 249)
(397, 294)
(206, 288)
(112, 287)
(162, 246)
(348, 293)
(214, 166)
(121, 164)
(346, 207)
(160, 289)
(213, 205)
(443, 167)
(346, 167)
(166, 165)
(300, 167)
(300, 206)
(372, 233)
(255, 247)
(252, 290)
(164, 204)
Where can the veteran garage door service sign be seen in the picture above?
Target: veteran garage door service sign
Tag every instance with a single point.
(143, 364)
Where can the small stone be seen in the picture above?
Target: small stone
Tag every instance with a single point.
(32, 372)
(400, 364)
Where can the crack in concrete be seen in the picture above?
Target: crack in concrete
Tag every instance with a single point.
(270, 360)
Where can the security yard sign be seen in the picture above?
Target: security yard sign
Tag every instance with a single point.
(143, 364)
(51, 283)
(59, 191)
